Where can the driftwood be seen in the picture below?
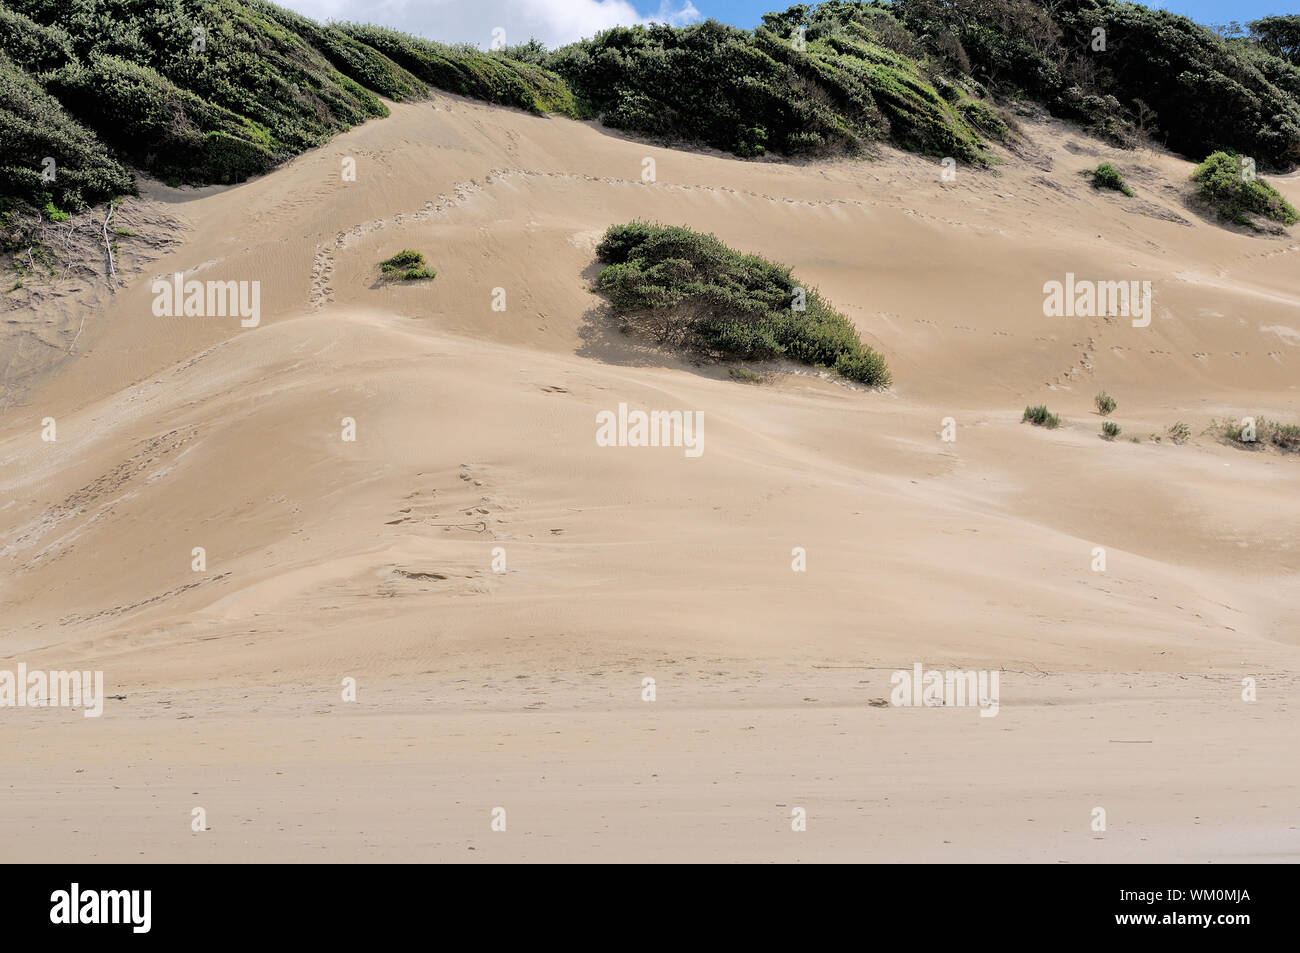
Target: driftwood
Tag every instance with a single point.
(108, 246)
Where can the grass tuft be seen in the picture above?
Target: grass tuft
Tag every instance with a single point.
(1040, 416)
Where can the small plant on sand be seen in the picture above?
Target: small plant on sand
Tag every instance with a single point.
(1106, 176)
(1105, 403)
(1180, 433)
(407, 265)
(1040, 416)
(1109, 429)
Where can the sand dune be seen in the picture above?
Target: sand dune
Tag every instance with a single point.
(373, 559)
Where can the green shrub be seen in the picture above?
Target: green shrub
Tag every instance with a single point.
(691, 291)
(1105, 403)
(1223, 183)
(1179, 433)
(1106, 176)
(1040, 416)
(407, 265)
(1110, 430)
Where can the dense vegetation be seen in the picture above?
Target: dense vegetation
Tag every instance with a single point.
(202, 91)
(836, 86)
(1158, 74)
(691, 291)
(1223, 183)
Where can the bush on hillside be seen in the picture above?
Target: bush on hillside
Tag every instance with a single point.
(1224, 183)
(1159, 73)
(465, 70)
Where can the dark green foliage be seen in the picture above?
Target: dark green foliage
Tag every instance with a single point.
(691, 290)
(1159, 73)
(170, 131)
(750, 93)
(465, 70)
(1040, 416)
(1110, 430)
(354, 59)
(1106, 176)
(407, 265)
(31, 45)
(203, 91)
(1279, 36)
(33, 126)
(1221, 181)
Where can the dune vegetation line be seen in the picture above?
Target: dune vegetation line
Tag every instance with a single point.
(215, 91)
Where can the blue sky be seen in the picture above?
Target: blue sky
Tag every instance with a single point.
(746, 13)
(556, 22)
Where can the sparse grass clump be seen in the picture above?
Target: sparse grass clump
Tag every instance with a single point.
(407, 265)
(1224, 183)
(1105, 403)
(689, 290)
(1284, 436)
(1040, 416)
(1109, 429)
(1261, 432)
(745, 376)
(1179, 433)
(1106, 176)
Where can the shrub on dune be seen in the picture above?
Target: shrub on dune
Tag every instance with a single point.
(1225, 184)
(691, 291)
(407, 265)
(1106, 176)
(1040, 416)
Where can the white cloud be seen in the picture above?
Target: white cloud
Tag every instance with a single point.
(554, 22)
